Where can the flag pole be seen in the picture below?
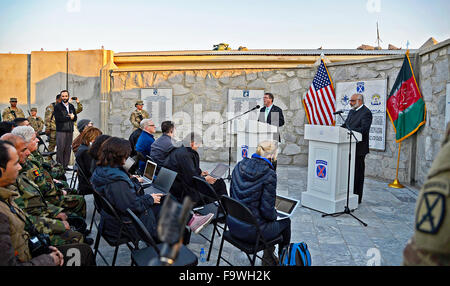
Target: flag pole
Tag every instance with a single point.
(396, 184)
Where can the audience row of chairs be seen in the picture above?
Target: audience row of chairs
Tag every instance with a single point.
(221, 207)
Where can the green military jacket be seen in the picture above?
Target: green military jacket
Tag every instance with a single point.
(137, 116)
(9, 114)
(37, 123)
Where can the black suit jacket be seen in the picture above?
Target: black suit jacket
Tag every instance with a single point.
(62, 118)
(360, 121)
(275, 109)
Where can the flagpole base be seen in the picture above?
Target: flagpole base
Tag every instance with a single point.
(396, 184)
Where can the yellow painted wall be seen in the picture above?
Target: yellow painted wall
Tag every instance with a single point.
(13, 78)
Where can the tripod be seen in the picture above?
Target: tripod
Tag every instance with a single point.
(229, 146)
(346, 208)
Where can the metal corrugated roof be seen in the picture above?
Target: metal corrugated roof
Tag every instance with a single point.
(274, 52)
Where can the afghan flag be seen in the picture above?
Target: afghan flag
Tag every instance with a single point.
(405, 105)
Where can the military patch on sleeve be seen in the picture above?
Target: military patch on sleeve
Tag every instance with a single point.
(37, 173)
(430, 212)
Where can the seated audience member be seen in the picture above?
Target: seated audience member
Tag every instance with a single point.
(81, 126)
(6, 127)
(145, 141)
(84, 161)
(134, 137)
(254, 183)
(94, 150)
(14, 247)
(48, 218)
(163, 145)
(21, 122)
(121, 190)
(186, 162)
(33, 171)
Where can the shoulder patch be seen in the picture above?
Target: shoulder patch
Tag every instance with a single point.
(430, 212)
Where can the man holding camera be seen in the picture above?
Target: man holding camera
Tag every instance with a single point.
(65, 116)
(12, 112)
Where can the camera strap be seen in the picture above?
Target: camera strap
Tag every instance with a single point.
(27, 221)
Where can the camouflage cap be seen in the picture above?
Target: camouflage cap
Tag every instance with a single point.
(139, 102)
(33, 109)
(13, 99)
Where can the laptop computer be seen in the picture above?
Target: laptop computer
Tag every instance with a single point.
(128, 163)
(219, 171)
(285, 206)
(149, 173)
(162, 183)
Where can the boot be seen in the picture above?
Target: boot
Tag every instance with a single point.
(269, 258)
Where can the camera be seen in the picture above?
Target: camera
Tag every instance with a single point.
(74, 98)
(39, 244)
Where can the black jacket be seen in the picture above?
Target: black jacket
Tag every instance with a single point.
(134, 137)
(62, 118)
(275, 109)
(87, 165)
(360, 121)
(186, 162)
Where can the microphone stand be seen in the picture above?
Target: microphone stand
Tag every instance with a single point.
(346, 208)
(231, 135)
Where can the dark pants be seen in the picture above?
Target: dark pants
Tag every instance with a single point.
(63, 147)
(358, 182)
(279, 227)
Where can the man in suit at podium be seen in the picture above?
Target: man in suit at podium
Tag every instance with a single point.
(359, 119)
(270, 113)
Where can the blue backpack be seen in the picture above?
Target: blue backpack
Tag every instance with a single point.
(296, 254)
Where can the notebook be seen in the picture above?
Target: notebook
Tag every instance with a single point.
(149, 173)
(219, 171)
(162, 183)
(285, 206)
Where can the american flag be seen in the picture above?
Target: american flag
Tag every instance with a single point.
(320, 100)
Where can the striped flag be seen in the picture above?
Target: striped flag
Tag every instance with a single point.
(320, 100)
(405, 105)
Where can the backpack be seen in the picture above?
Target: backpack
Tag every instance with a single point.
(296, 254)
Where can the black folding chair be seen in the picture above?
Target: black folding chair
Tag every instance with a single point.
(144, 256)
(239, 211)
(74, 178)
(210, 204)
(123, 237)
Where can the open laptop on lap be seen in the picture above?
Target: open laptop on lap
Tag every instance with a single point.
(285, 206)
(162, 183)
(219, 171)
(149, 173)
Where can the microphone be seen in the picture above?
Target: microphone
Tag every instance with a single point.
(256, 107)
(338, 112)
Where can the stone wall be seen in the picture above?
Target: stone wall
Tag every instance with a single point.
(209, 88)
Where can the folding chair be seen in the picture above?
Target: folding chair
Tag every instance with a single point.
(211, 204)
(74, 178)
(123, 237)
(239, 211)
(144, 256)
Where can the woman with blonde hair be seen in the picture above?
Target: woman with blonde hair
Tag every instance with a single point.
(254, 183)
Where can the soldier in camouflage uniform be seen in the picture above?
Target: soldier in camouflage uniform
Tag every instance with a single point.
(430, 244)
(56, 170)
(138, 115)
(35, 121)
(12, 112)
(46, 217)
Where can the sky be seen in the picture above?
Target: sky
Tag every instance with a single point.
(138, 25)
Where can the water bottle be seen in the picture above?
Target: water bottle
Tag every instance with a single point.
(202, 255)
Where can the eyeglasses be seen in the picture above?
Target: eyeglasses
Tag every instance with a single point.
(353, 100)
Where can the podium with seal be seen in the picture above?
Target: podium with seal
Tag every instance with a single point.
(328, 169)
